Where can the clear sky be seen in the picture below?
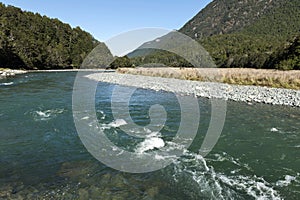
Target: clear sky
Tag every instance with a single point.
(105, 19)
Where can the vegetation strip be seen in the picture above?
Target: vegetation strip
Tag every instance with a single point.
(239, 76)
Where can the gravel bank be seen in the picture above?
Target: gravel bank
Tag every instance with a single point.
(257, 94)
(10, 72)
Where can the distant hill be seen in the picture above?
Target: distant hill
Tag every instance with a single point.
(173, 49)
(32, 41)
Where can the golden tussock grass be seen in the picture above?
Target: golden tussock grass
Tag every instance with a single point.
(239, 76)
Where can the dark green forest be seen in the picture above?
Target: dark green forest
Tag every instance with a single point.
(32, 41)
(287, 57)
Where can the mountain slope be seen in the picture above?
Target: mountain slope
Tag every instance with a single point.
(277, 17)
(32, 41)
(286, 58)
(245, 33)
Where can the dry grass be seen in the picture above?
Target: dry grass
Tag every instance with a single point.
(240, 76)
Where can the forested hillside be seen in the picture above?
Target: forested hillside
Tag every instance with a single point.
(247, 33)
(287, 57)
(32, 41)
(271, 17)
(240, 33)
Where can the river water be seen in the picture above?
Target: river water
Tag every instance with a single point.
(42, 156)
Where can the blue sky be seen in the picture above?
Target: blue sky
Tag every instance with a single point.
(105, 19)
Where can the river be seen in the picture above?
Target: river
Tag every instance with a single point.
(42, 156)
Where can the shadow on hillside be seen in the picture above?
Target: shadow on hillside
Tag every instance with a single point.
(8, 59)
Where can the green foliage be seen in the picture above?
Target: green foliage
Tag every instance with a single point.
(121, 62)
(160, 57)
(240, 50)
(286, 58)
(32, 41)
(281, 21)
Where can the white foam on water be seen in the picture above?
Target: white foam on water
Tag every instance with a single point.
(286, 182)
(255, 187)
(274, 130)
(117, 123)
(102, 113)
(175, 146)
(226, 157)
(143, 132)
(6, 84)
(150, 144)
(198, 178)
(151, 141)
(203, 181)
(152, 134)
(47, 114)
(159, 157)
(42, 114)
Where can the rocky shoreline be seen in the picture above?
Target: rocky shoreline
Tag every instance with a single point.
(10, 72)
(248, 94)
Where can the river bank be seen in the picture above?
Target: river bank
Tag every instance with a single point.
(243, 93)
(248, 94)
(10, 72)
(6, 72)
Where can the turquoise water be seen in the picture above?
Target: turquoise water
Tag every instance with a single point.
(42, 157)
